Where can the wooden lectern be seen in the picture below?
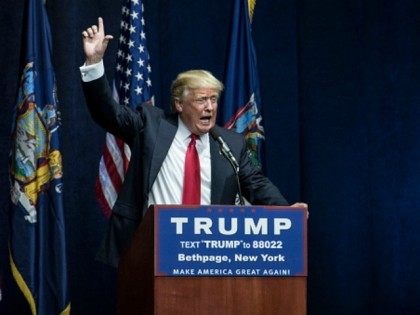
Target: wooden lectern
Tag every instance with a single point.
(141, 292)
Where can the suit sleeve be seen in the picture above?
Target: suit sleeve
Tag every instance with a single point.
(121, 121)
(256, 187)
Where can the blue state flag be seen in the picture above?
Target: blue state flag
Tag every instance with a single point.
(241, 101)
(37, 240)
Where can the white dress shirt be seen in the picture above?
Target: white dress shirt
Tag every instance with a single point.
(168, 186)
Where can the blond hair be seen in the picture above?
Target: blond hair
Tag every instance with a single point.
(193, 79)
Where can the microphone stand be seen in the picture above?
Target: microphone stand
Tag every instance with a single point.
(224, 148)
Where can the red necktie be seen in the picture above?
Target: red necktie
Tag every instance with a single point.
(192, 180)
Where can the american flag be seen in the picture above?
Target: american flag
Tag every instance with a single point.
(131, 87)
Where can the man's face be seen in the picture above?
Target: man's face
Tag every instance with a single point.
(198, 110)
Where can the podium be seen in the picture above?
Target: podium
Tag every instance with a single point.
(234, 286)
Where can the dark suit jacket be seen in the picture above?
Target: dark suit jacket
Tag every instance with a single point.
(149, 133)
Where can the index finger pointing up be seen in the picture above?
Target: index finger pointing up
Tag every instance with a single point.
(101, 25)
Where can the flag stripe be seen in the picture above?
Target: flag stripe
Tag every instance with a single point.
(111, 168)
(106, 210)
(125, 153)
(114, 155)
(107, 186)
(114, 160)
(230, 124)
(127, 156)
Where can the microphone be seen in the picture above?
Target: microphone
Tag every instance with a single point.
(224, 148)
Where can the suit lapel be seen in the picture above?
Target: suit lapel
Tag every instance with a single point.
(217, 172)
(165, 135)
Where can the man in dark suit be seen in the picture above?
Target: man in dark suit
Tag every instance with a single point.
(159, 143)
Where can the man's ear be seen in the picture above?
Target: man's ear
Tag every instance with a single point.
(178, 105)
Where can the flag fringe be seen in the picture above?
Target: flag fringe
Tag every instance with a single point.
(22, 284)
(66, 311)
(251, 8)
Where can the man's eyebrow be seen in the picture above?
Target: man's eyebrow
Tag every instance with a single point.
(204, 94)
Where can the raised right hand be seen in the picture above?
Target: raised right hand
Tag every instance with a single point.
(95, 42)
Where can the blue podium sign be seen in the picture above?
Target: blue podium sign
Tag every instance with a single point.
(253, 241)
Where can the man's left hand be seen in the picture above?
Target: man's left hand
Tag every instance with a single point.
(301, 205)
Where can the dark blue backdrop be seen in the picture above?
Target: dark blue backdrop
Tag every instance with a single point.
(341, 106)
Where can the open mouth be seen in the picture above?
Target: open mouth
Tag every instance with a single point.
(205, 119)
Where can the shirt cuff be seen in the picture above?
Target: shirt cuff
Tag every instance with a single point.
(92, 72)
